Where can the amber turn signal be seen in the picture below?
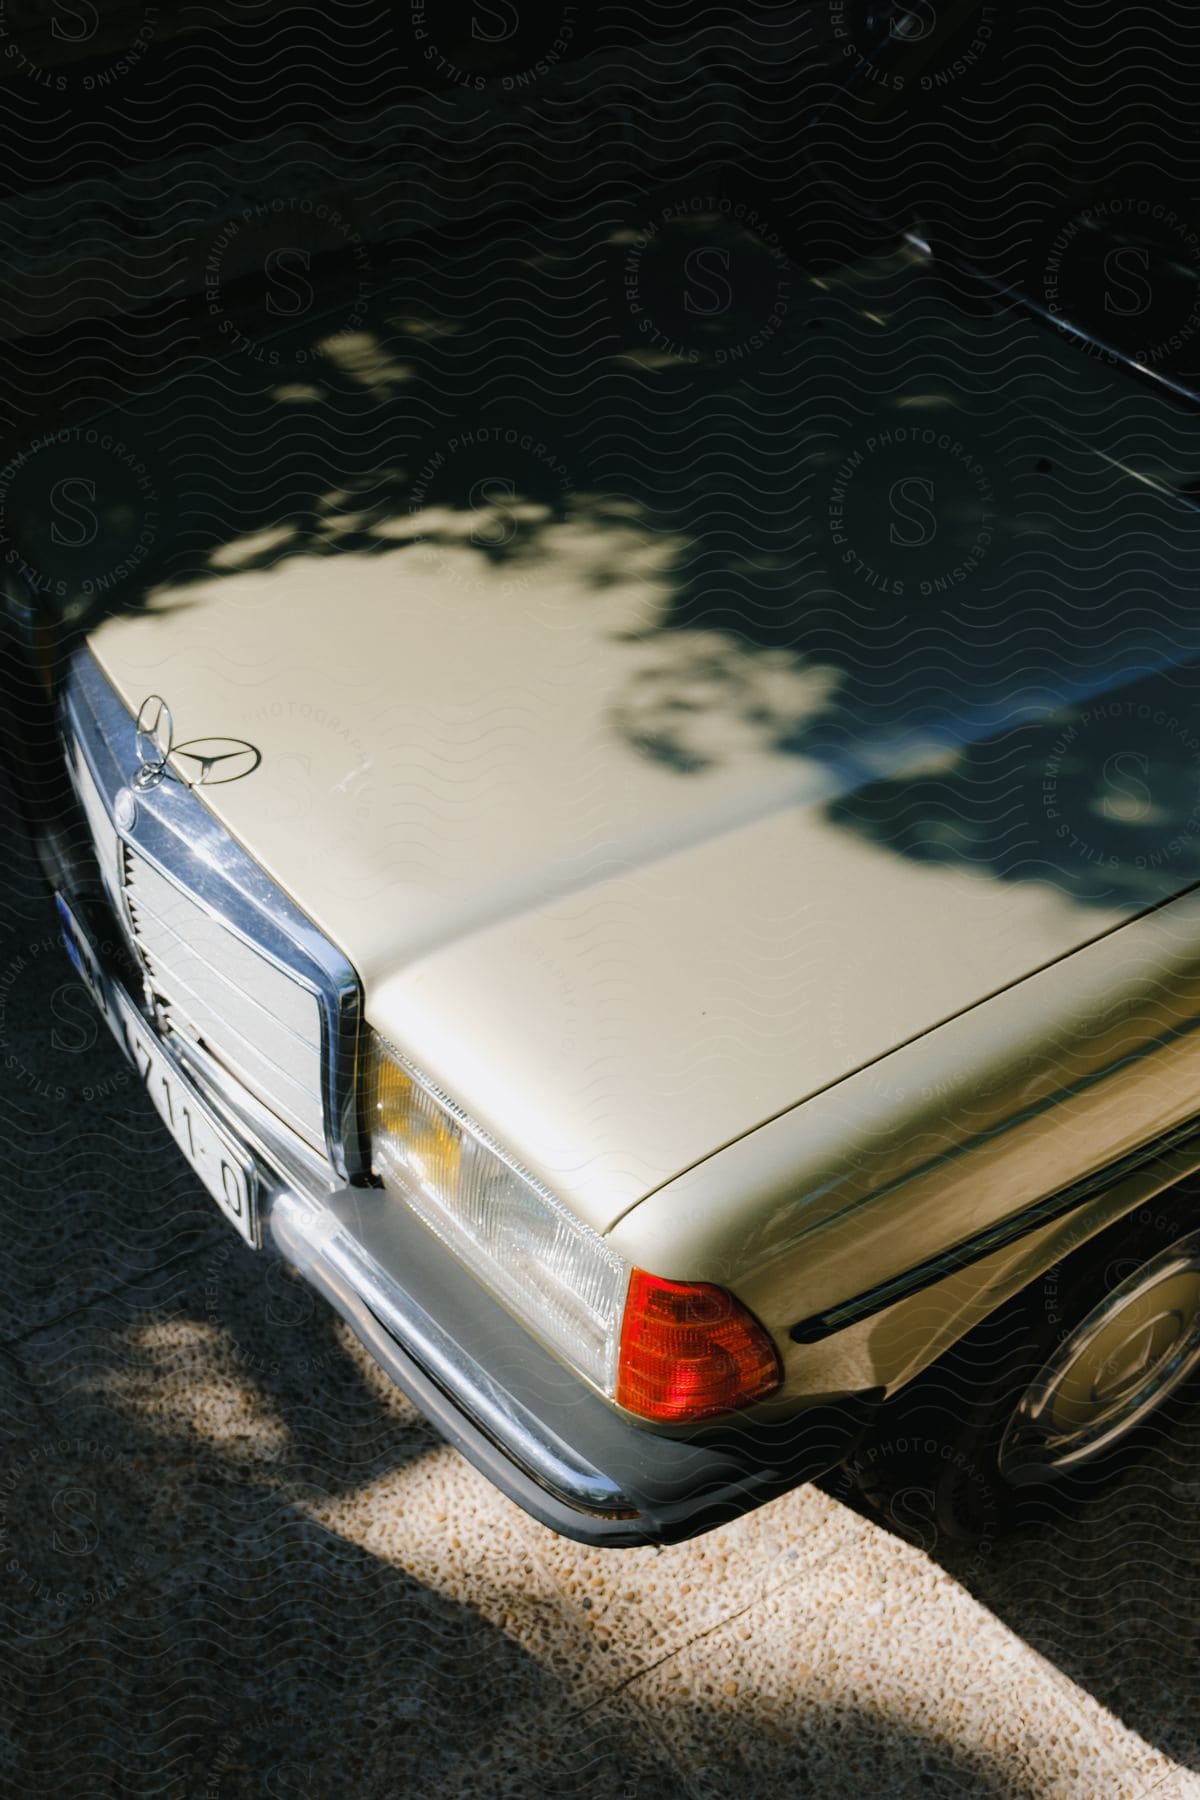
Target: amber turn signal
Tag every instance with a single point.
(689, 1350)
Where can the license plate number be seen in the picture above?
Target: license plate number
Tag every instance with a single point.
(212, 1153)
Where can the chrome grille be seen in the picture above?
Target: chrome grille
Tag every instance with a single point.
(212, 987)
(231, 964)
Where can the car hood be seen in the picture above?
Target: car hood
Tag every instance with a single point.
(628, 876)
(615, 963)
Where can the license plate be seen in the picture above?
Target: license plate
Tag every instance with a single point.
(225, 1169)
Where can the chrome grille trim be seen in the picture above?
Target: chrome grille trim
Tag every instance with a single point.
(186, 858)
(260, 1024)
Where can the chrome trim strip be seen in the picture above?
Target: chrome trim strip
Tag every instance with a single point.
(1181, 1145)
(1066, 327)
(175, 832)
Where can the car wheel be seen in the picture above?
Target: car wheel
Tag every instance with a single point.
(1135, 1348)
(1047, 1401)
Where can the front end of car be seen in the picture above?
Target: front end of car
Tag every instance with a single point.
(607, 1399)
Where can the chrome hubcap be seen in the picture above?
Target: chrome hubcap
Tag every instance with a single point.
(1121, 1362)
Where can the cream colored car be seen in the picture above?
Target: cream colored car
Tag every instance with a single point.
(661, 1059)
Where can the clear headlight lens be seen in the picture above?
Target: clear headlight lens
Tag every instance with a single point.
(556, 1274)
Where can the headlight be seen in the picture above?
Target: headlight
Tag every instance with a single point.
(665, 1350)
(553, 1271)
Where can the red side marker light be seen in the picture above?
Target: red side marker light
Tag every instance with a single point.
(689, 1350)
